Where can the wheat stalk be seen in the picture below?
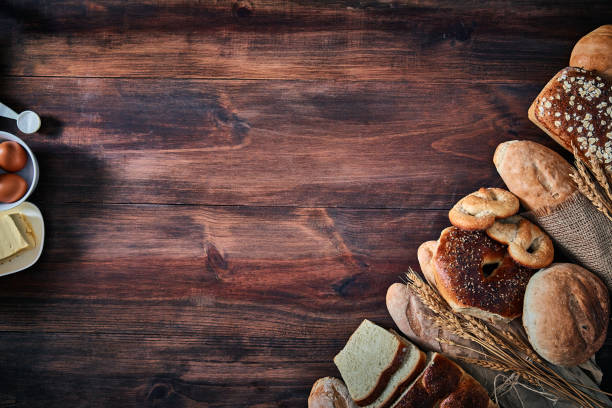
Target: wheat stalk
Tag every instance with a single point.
(502, 350)
(598, 190)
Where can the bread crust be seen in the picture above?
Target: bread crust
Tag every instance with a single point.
(459, 261)
(330, 392)
(593, 52)
(443, 383)
(478, 210)
(425, 254)
(537, 175)
(527, 244)
(575, 109)
(566, 314)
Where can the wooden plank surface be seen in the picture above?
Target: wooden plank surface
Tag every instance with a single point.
(229, 187)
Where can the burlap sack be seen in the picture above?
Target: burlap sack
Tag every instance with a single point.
(582, 232)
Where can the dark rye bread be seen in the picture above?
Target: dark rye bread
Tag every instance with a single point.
(575, 109)
(460, 275)
(444, 384)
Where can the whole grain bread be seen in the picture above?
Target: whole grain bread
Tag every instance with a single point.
(575, 109)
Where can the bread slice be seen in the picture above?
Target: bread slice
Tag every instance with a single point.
(444, 383)
(413, 364)
(368, 360)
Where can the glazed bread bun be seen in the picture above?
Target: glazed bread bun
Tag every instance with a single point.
(566, 314)
(538, 176)
(594, 51)
(476, 275)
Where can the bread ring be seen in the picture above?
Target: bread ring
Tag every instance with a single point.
(477, 276)
(527, 244)
(478, 211)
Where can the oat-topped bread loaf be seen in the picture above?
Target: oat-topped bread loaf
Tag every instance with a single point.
(444, 384)
(575, 108)
(374, 358)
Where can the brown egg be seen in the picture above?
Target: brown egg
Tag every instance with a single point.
(13, 157)
(12, 187)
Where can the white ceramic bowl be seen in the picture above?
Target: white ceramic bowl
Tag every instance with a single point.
(29, 172)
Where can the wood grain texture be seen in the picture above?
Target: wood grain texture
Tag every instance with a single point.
(129, 300)
(348, 40)
(229, 187)
(357, 144)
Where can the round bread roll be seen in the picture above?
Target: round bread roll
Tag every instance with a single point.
(330, 392)
(566, 313)
(477, 276)
(593, 52)
(538, 176)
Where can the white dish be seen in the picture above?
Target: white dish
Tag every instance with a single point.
(26, 258)
(29, 172)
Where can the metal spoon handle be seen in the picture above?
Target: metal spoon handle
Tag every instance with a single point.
(7, 112)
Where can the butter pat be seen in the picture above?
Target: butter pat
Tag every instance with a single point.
(16, 235)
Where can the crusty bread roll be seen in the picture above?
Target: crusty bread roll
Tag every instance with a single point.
(425, 255)
(575, 109)
(566, 314)
(330, 392)
(538, 176)
(593, 52)
(477, 276)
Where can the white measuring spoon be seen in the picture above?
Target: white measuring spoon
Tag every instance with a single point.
(27, 121)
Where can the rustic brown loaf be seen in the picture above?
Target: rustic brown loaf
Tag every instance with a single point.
(566, 314)
(460, 279)
(575, 109)
(330, 392)
(416, 321)
(594, 51)
(444, 384)
(538, 176)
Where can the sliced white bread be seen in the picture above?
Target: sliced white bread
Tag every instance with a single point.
(413, 364)
(368, 360)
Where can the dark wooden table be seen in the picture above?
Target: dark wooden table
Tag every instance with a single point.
(230, 187)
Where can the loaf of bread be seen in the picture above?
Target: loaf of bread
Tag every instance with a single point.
(593, 52)
(477, 276)
(330, 392)
(416, 321)
(444, 384)
(377, 365)
(537, 175)
(566, 314)
(575, 109)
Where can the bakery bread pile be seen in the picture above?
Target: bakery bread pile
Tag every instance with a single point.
(382, 369)
(497, 265)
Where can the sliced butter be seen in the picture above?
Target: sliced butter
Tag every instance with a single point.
(16, 235)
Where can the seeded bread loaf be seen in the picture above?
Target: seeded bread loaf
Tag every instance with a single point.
(477, 276)
(575, 109)
(368, 360)
(444, 384)
(538, 176)
(594, 51)
(330, 392)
